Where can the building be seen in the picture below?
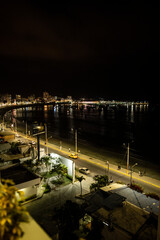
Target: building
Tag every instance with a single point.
(18, 98)
(6, 98)
(140, 200)
(121, 219)
(46, 96)
(6, 136)
(33, 231)
(4, 147)
(24, 180)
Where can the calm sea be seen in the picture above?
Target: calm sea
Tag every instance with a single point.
(109, 127)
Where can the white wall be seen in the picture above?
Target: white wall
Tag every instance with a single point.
(29, 191)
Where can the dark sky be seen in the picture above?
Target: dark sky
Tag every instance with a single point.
(97, 50)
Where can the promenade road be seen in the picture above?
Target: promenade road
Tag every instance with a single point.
(100, 167)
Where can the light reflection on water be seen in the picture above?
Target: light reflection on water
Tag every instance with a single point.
(105, 127)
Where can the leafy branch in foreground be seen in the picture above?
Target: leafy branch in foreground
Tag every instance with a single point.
(11, 212)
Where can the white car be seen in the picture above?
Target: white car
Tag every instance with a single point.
(84, 170)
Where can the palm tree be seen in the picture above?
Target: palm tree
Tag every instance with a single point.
(80, 179)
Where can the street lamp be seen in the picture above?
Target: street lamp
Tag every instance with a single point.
(128, 155)
(39, 131)
(108, 169)
(132, 172)
(46, 145)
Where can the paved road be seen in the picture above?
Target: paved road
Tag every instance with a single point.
(97, 166)
(116, 176)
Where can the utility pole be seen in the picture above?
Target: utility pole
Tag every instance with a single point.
(3, 122)
(108, 169)
(127, 158)
(45, 127)
(76, 141)
(37, 134)
(132, 172)
(38, 148)
(158, 230)
(26, 129)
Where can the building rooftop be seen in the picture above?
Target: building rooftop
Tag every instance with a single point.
(101, 199)
(127, 222)
(18, 174)
(140, 200)
(121, 219)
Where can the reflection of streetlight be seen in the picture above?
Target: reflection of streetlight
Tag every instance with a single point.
(132, 172)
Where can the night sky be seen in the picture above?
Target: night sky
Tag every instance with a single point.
(84, 50)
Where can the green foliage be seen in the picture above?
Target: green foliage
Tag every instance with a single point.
(94, 186)
(65, 180)
(61, 170)
(100, 181)
(69, 177)
(80, 179)
(11, 212)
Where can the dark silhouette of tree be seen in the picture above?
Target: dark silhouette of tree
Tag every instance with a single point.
(68, 220)
(80, 179)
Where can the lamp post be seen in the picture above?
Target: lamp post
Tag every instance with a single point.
(132, 172)
(128, 154)
(39, 131)
(45, 129)
(75, 132)
(108, 169)
(127, 158)
(26, 128)
(46, 145)
(76, 141)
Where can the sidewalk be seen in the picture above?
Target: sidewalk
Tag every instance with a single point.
(112, 167)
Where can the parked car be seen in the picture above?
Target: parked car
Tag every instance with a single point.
(84, 170)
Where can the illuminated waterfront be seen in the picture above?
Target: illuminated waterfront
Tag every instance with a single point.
(101, 127)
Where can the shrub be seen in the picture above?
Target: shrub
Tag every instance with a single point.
(94, 186)
(153, 195)
(136, 187)
(100, 181)
(47, 188)
(69, 177)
